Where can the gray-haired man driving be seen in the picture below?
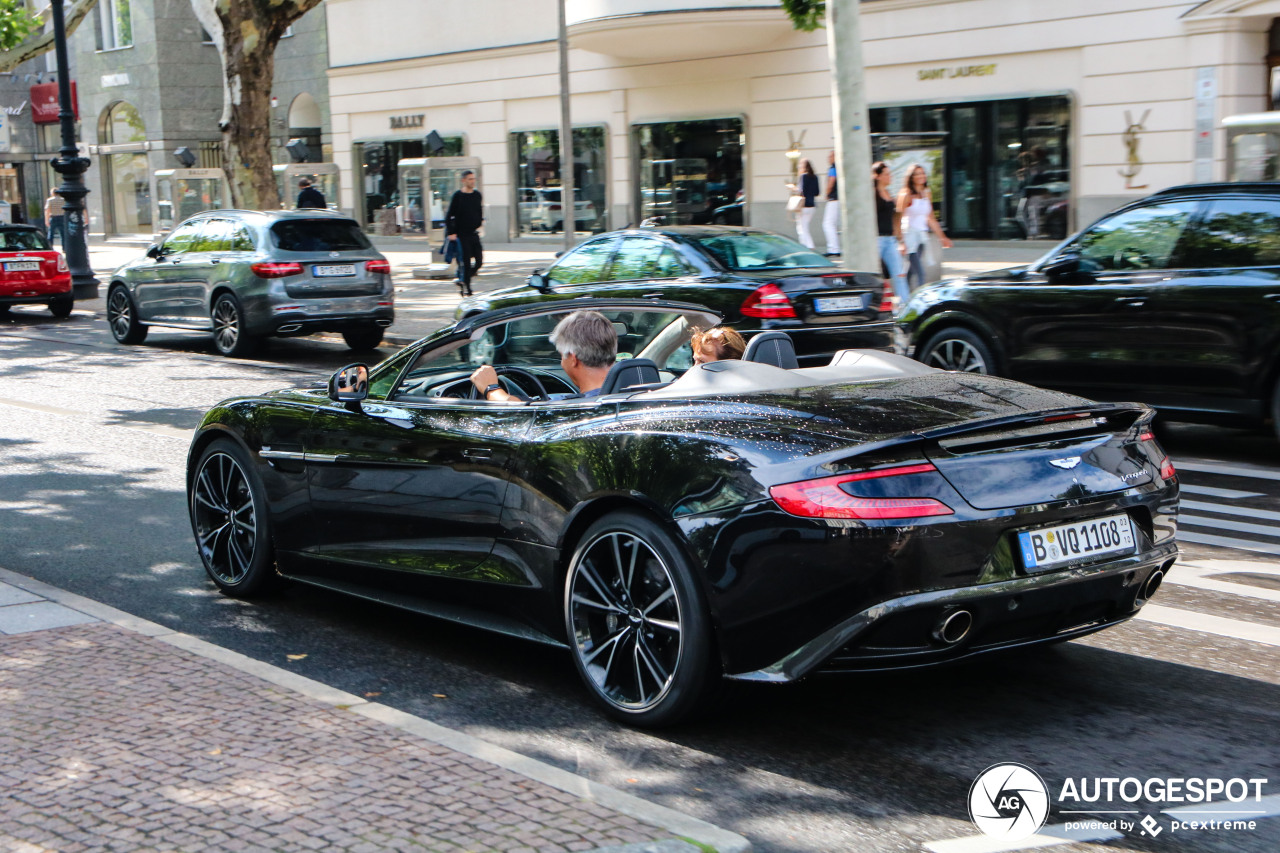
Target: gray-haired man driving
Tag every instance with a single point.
(588, 346)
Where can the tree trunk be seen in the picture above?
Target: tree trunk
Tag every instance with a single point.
(853, 135)
(246, 33)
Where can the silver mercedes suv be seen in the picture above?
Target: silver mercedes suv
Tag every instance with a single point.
(246, 275)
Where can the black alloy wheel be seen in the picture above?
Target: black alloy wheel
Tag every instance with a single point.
(229, 518)
(61, 306)
(364, 338)
(960, 350)
(637, 624)
(229, 336)
(122, 317)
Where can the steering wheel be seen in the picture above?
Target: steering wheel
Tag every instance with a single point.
(473, 393)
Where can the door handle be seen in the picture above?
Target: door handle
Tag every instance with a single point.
(1132, 301)
(213, 261)
(1274, 297)
(652, 296)
(477, 452)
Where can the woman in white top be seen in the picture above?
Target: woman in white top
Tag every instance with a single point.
(915, 204)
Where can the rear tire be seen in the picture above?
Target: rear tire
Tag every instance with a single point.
(61, 306)
(638, 626)
(229, 336)
(362, 339)
(122, 317)
(960, 350)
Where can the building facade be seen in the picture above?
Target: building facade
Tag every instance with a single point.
(150, 81)
(1031, 117)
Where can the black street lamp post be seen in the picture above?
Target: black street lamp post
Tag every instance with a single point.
(71, 166)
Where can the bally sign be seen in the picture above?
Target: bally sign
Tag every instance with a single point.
(44, 103)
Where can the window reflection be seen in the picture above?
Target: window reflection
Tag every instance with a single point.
(1139, 239)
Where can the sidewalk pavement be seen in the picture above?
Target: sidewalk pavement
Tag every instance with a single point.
(120, 734)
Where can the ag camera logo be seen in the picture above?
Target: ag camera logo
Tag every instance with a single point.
(1008, 801)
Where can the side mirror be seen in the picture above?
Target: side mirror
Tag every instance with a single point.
(153, 251)
(350, 385)
(539, 281)
(1068, 263)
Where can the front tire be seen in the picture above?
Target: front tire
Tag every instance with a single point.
(229, 336)
(637, 623)
(122, 317)
(959, 350)
(363, 339)
(230, 520)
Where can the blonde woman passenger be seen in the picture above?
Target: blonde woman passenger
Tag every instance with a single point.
(716, 344)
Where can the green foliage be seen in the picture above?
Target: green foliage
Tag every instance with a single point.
(16, 23)
(806, 15)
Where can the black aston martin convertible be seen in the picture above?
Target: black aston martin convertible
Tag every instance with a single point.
(739, 519)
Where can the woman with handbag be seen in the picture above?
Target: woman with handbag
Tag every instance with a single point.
(804, 210)
(915, 206)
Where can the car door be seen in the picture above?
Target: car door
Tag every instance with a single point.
(159, 284)
(1224, 312)
(1096, 330)
(414, 483)
(226, 251)
(200, 268)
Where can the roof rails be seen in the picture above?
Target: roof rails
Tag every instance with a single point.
(1222, 187)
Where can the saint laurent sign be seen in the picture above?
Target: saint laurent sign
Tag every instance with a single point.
(956, 71)
(402, 122)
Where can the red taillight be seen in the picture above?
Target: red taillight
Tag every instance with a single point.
(1167, 471)
(553, 207)
(823, 498)
(886, 297)
(378, 266)
(276, 270)
(1147, 436)
(768, 302)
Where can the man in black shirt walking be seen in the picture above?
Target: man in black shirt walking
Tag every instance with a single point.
(309, 196)
(462, 223)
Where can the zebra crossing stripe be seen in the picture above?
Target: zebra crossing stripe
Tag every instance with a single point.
(1236, 629)
(1228, 470)
(1227, 509)
(1214, 492)
(1228, 542)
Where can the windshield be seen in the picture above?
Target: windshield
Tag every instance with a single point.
(23, 239)
(319, 235)
(759, 250)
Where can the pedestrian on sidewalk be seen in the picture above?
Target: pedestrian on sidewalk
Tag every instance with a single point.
(831, 210)
(55, 218)
(889, 228)
(809, 191)
(915, 206)
(309, 196)
(462, 223)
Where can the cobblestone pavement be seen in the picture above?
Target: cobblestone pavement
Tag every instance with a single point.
(111, 739)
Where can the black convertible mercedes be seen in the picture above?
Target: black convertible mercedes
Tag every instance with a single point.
(744, 519)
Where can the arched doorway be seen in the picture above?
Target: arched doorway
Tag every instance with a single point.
(305, 123)
(126, 173)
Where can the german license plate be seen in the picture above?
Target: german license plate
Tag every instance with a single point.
(22, 266)
(840, 304)
(323, 270)
(1070, 543)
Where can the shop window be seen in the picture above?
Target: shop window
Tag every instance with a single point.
(540, 207)
(379, 173)
(688, 170)
(114, 24)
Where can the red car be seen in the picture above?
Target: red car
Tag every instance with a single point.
(32, 271)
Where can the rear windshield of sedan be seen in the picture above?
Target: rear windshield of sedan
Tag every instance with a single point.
(318, 235)
(23, 240)
(759, 251)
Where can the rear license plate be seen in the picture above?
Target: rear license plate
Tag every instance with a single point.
(840, 304)
(323, 270)
(1069, 543)
(22, 266)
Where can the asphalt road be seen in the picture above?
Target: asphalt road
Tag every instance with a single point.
(93, 438)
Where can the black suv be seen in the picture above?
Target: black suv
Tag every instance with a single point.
(1173, 300)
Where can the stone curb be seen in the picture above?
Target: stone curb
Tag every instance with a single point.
(703, 833)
